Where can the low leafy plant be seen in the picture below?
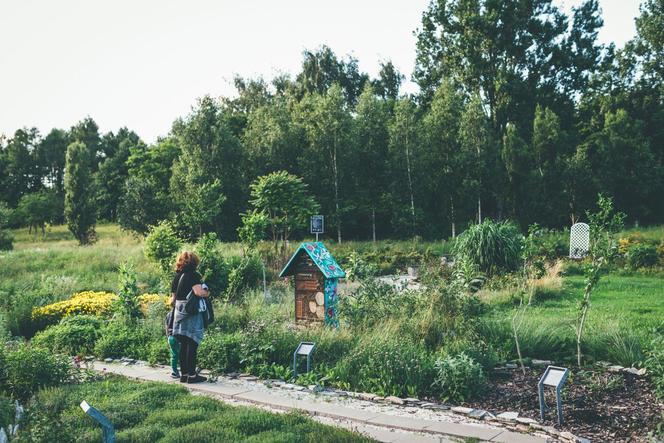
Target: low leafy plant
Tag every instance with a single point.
(642, 256)
(458, 378)
(388, 366)
(28, 369)
(118, 339)
(220, 353)
(654, 363)
(72, 336)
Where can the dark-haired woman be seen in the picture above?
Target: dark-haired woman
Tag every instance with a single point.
(187, 328)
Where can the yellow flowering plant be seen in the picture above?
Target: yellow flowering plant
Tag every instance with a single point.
(86, 302)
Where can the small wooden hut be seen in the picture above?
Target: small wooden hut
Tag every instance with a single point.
(316, 275)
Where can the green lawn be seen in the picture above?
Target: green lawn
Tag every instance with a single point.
(158, 412)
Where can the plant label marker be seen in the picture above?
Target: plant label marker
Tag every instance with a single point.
(106, 425)
(306, 349)
(556, 377)
(317, 225)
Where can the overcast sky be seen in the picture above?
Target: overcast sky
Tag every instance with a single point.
(141, 64)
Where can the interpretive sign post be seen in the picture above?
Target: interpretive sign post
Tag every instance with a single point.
(554, 377)
(306, 349)
(106, 425)
(317, 225)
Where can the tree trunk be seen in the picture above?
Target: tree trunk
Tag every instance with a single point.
(452, 216)
(373, 223)
(479, 209)
(335, 172)
(410, 186)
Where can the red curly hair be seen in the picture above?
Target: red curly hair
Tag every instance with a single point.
(187, 262)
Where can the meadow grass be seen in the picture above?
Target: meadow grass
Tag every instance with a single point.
(159, 412)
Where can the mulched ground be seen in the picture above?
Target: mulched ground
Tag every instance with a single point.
(599, 405)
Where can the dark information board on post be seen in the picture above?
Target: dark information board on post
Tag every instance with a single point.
(317, 225)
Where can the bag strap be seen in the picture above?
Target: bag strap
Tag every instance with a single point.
(178, 288)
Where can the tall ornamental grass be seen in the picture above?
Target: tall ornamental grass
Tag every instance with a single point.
(491, 246)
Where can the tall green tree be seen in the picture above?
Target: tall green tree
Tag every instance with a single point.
(371, 142)
(112, 175)
(327, 123)
(477, 141)
(80, 209)
(210, 155)
(21, 169)
(50, 155)
(403, 143)
(285, 200)
(442, 158)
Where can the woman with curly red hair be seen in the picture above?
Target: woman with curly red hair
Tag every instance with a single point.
(187, 328)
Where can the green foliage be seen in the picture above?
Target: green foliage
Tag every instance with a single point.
(491, 246)
(75, 335)
(127, 301)
(27, 369)
(221, 352)
(458, 378)
(80, 209)
(7, 412)
(252, 231)
(604, 224)
(642, 256)
(213, 266)
(357, 268)
(118, 339)
(6, 240)
(245, 273)
(161, 246)
(147, 412)
(285, 200)
(35, 210)
(387, 366)
(654, 364)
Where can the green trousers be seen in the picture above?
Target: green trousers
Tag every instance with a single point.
(174, 345)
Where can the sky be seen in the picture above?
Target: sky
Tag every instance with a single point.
(142, 64)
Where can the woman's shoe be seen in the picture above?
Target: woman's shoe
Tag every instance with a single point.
(196, 379)
(184, 378)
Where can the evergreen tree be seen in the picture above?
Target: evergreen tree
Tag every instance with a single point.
(80, 210)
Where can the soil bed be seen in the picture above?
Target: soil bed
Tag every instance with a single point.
(598, 405)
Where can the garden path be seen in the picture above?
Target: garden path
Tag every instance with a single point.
(385, 423)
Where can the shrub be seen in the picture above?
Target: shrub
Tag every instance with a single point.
(220, 353)
(458, 378)
(127, 300)
(6, 240)
(72, 336)
(387, 366)
(7, 412)
(159, 352)
(245, 273)
(120, 340)
(87, 302)
(655, 364)
(28, 369)
(146, 300)
(642, 256)
(213, 266)
(491, 246)
(161, 246)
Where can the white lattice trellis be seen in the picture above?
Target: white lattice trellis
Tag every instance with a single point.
(579, 240)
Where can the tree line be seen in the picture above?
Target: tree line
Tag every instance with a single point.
(521, 113)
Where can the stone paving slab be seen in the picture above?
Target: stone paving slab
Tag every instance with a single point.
(428, 431)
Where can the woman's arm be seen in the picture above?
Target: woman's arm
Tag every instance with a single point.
(199, 291)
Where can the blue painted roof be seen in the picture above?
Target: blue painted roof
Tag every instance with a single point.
(321, 256)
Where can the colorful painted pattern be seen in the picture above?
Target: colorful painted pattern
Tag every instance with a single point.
(331, 302)
(321, 256)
